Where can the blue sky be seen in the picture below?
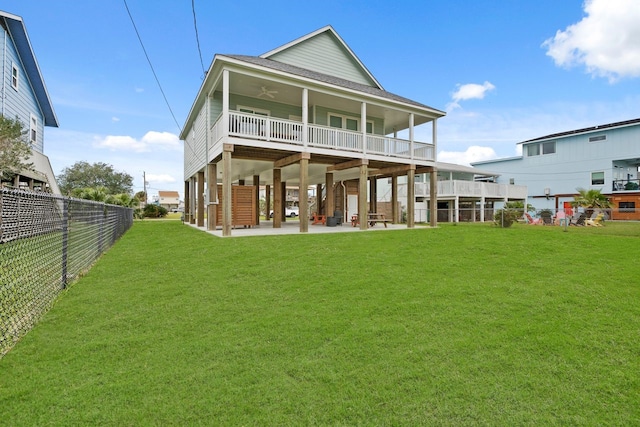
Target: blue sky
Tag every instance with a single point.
(504, 71)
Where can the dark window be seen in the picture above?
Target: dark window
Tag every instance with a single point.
(597, 138)
(597, 178)
(549, 147)
(533, 150)
(15, 77)
(627, 206)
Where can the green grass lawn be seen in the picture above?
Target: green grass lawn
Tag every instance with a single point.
(459, 325)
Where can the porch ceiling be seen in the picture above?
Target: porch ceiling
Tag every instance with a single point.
(287, 93)
(250, 161)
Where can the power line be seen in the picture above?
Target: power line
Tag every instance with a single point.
(195, 26)
(151, 66)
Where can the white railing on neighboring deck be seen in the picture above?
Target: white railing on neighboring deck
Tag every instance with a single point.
(473, 189)
(288, 131)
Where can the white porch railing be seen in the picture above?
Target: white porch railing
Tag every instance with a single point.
(288, 131)
(265, 128)
(328, 137)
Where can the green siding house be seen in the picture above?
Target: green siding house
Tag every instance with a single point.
(306, 114)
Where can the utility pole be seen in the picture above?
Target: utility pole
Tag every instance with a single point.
(144, 188)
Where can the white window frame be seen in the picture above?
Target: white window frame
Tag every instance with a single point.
(344, 122)
(253, 110)
(598, 172)
(548, 144)
(33, 129)
(529, 149)
(15, 76)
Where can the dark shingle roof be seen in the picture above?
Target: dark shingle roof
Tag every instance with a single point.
(585, 130)
(325, 78)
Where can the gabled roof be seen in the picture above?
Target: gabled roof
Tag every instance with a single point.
(585, 130)
(277, 53)
(169, 194)
(18, 33)
(325, 78)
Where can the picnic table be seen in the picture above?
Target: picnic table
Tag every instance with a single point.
(318, 219)
(372, 219)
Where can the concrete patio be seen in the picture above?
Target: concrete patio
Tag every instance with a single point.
(293, 227)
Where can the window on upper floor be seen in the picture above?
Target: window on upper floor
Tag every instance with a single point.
(252, 110)
(597, 178)
(349, 123)
(598, 138)
(541, 148)
(533, 150)
(549, 147)
(33, 130)
(15, 76)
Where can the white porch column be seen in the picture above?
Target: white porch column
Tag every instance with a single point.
(305, 116)
(411, 124)
(482, 203)
(363, 124)
(225, 103)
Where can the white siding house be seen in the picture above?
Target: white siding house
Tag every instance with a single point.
(554, 167)
(308, 113)
(25, 97)
(463, 194)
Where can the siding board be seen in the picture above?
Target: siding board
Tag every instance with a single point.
(324, 54)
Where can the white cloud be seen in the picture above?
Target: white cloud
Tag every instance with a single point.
(139, 90)
(115, 119)
(472, 154)
(151, 141)
(159, 179)
(469, 91)
(606, 41)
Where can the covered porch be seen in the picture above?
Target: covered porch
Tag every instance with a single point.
(274, 132)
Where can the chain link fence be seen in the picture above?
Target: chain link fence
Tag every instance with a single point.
(47, 241)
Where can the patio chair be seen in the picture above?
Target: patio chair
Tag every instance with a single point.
(533, 221)
(580, 220)
(596, 222)
(338, 216)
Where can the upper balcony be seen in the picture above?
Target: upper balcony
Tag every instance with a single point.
(265, 128)
(268, 110)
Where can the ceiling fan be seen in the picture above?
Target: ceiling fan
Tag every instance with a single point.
(267, 92)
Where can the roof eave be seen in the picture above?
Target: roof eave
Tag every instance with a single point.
(18, 33)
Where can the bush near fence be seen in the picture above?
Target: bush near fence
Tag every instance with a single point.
(46, 241)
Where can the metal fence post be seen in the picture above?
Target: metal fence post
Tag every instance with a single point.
(65, 241)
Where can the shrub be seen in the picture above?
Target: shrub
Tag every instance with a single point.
(506, 217)
(154, 211)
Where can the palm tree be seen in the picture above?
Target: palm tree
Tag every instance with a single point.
(97, 194)
(591, 200)
(123, 199)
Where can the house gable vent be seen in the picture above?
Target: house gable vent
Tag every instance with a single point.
(598, 138)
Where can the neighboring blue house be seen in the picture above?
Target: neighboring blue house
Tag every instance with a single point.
(554, 167)
(24, 96)
(308, 113)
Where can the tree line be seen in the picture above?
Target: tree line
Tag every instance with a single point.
(91, 181)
